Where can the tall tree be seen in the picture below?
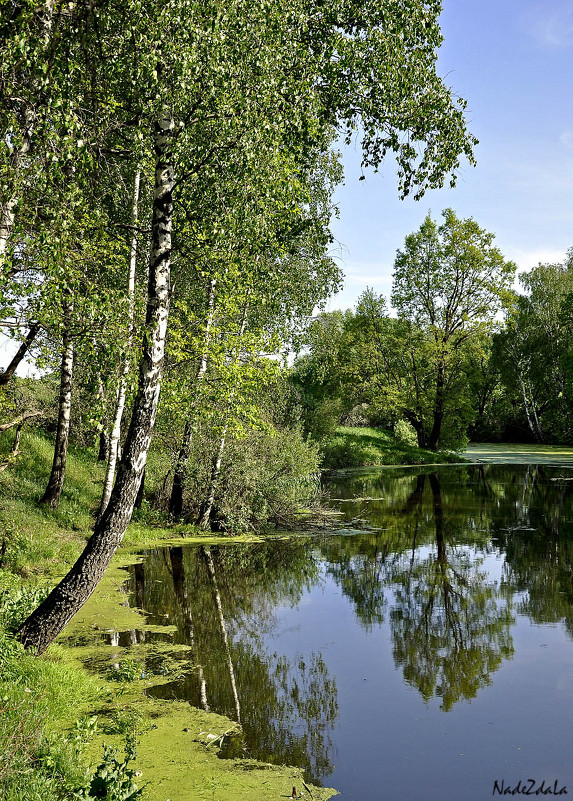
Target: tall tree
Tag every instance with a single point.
(449, 281)
(113, 443)
(53, 491)
(533, 351)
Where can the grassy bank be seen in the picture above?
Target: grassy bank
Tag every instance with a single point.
(373, 447)
(55, 713)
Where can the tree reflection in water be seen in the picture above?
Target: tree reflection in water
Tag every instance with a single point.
(423, 571)
(223, 601)
(450, 625)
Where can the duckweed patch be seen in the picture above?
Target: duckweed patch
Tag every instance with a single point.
(177, 745)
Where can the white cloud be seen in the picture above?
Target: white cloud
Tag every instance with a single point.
(553, 30)
(567, 139)
(526, 259)
(358, 275)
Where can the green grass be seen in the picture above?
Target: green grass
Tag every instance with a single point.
(41, 542)
(366, 447)
(39, 698)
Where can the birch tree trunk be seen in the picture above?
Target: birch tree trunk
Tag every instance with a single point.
(178, 488)
(534, 411)
(207, 508)
(46, 622)
(115, 433)
(8, 208)
(53, 491)
(530, 422)
(21, 352)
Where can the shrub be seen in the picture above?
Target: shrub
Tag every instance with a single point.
(266, 476)
(357, 417)
(405, 433)
(114, 779)
(17, 602)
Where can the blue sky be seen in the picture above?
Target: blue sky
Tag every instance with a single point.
(512, 60)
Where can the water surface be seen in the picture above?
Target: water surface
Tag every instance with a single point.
(424, 652)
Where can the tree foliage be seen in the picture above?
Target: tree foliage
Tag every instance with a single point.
(229, 113)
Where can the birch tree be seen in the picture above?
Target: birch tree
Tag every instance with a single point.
(113, 440)
(231, 84)
(533, 351)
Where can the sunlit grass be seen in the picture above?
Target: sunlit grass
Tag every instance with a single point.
(365, 447)
(40, 540)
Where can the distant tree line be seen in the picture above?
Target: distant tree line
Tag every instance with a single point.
(462, 356)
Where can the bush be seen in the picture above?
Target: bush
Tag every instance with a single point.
(405, 433)
(17, 603)
(266, 477)
(113, 779)
(357, 417)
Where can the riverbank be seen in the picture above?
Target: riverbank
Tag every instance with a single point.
(374, 447)
(58, 711)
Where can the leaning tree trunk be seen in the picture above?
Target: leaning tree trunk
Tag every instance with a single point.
(53, 491)
(46, 622)
(113, 440)
(140, 492)
(178, 488)
(21, 352)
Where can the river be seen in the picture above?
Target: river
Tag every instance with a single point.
(422, 652)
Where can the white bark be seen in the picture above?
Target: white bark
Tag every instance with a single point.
(115, 433)
(46, 622)
(8, 208)
(534, 410)
(216, 468)
(526, 407)
(223, 627)
(176, 499)
(213, 482)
